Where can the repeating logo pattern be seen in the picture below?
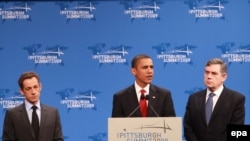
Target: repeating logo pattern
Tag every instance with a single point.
(233, 54)
(10, 100)
(45, 55)
(15, 11)
(209, 9)
(77, 10)
(114, 55)
(142, 9)
(177, 54)
(81, 100)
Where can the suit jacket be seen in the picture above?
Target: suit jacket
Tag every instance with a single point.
(229, 109)
(160, 103)
(17, 126)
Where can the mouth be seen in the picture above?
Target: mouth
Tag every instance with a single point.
(150, 77)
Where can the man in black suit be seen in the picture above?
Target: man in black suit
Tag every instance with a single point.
(227, 106)
(159, 100)
(19, 121)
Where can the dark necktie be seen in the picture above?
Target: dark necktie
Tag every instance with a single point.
(143, 104)
(209, 107)
(35, 122)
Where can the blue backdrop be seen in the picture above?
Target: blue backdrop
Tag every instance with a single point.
(82, 51)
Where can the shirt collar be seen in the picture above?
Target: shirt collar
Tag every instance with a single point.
(217, 92)
(28, 105)
(138, 88)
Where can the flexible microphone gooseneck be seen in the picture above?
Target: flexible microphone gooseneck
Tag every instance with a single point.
(147, 98)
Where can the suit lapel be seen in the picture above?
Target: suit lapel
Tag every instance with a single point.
(25, 119)
(202, 103)
(152, 102)
(132, 97)
(219, 103)
(44, 114)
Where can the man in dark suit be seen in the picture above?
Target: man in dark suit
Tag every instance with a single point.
(18, 121)
(227, 106)
(159, 100)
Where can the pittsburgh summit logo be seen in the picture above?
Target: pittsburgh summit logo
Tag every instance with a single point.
(208, 10)
(8, 100)
(114, 55)
(142, 10)
(15, 11)
(77, 10)
(177, 54)
(45, 55)
(133, 134)
(233, 54)
(81, 100)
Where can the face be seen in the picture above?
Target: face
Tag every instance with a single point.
(31, 90)
(213, 78)
(143, 71)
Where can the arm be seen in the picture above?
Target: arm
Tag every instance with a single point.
(188, 125)
(8, 128)
(170, 112)
(116, 111)
(58, 136)
(238, 116)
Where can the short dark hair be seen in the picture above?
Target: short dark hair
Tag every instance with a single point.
(218, 61)
(27, 75)
(136, 59)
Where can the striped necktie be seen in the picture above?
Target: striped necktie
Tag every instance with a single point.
(209, 107)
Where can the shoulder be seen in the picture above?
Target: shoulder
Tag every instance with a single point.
(159, 89)
(197, 94)
(17, 108)
(233, 93)
(126, 90)
(48, 108)
(15, 111)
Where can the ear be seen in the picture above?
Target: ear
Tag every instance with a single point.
(133, 71)
(40, 86)
(21, 91)
(224, 77)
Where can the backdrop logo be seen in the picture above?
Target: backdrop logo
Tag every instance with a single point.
(114, 55)
(178, 54)
(16, 11)
(232, 54)
(135, 133)
(144, 10)
(210, 9)
(11, 101)
(45, 55)
(82, 100)
(81, 10)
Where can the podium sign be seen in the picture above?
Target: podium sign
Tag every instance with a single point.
(145, 129)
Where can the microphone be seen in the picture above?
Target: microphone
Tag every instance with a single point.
(134, 111)
(142, 97)
(152, 108)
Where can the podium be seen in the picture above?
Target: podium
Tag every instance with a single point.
(145, 129)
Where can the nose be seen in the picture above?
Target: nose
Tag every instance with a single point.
(150, 70)
(208, 75)
(33, 91)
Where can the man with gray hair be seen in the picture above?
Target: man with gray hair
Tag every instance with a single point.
(209, 111)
